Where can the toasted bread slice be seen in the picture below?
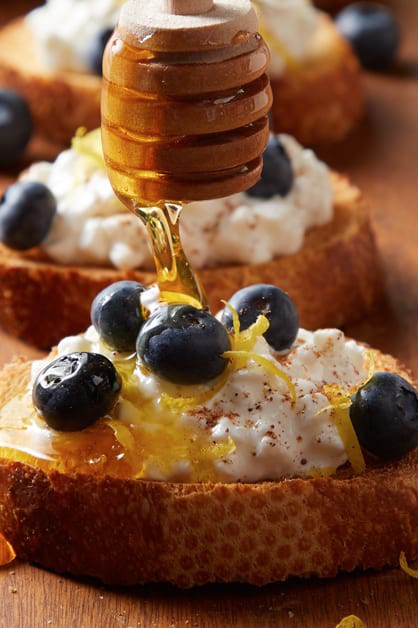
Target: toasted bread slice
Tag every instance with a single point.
(319, 102)
(322, 100)
(127, 531)
(334, 279)
(60, 101)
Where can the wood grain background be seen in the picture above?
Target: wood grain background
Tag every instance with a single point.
(382, 157)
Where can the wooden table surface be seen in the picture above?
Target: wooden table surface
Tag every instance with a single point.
(381, 157)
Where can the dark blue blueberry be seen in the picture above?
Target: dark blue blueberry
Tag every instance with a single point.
(277, 176)
(26, 215)
(75, 390)
(373, 31)
(116, 314)
(96, 51)
(183, 344)
(15, 126)
(384, 414)
(273, 303)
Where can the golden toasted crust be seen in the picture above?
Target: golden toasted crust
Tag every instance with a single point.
(134, 531)
(334, 279)
(60, 101)
(322, 100)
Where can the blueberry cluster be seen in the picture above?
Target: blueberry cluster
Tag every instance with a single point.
(185, 345)
(179, 343)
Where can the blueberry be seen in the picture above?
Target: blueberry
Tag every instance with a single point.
(275, 304)
(116, 314)
(183, 344)
(384, 414)
(373, 31)
(96, 51)
(75, 390)
(15, 126)
(277, 176)
(26, 214)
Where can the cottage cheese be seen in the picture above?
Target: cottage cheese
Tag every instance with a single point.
(287, 24)
(64, 30)
(93, 227)
(273, 438)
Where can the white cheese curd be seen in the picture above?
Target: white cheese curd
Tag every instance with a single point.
(93, 227)
(288, 27)
(64, 30)
(273, 437)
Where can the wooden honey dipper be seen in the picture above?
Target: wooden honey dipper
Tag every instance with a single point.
(185, 100)
(184, 114)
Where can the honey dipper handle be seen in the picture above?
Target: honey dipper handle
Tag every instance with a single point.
(187, 7)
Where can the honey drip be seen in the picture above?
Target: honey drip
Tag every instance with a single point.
(164, 150)
(176, 281)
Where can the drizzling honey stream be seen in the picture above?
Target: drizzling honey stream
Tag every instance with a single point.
(184, 105)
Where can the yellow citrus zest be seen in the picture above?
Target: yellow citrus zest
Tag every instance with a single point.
(89, 145)
(241, 343)
(340, 402)
(406, 568)
(185, 404)
(278, 47)
(198, 452)
(352, 621)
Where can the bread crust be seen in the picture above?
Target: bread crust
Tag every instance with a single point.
(334, 279)
(60, 102)
(133, 531)
(322, 100)
(319, 103)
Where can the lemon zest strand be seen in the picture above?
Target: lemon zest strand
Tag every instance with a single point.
(89, 145)
(266, 364)
(248, 337)
(236, 325)
(340, 402)
(241, 341)
(185, 404)
(278, 47)
(244, 340)
(351, 621)
(349, 437)
(406, 568)
(201, 457)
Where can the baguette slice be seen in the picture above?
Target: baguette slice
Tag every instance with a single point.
(323, 99)
(60, 102)
(334, 279)
(125, 531)
(320, 102)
